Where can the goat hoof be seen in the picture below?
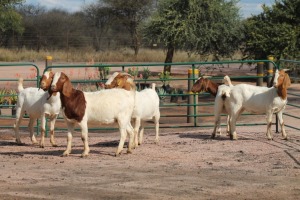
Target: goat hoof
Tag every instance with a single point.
(213, 136)
(84, 155)
(54, 145)
(42, 146)
(65, 154)
(129, 151)
(117, 154)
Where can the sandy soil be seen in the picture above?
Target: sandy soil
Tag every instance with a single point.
(186, 164)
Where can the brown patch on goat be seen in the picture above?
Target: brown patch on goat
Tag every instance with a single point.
(206, 85)
(73, 101)
(284, 82)
(120, 81)
(45, 82)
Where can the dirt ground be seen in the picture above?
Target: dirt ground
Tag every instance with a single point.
(186, 164)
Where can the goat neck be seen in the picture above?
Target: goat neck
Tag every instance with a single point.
(282, 83)
(70, 98)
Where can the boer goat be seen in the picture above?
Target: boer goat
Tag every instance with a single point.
(255, 99)
(206, 85)
(105, 106)
(38, 104)
(146, 104)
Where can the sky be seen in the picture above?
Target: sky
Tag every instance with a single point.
(247, 7)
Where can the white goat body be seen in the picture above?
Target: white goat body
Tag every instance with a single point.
(254, 99)
(146, 104)
(104, 107)
(37, 104)
(146, 108)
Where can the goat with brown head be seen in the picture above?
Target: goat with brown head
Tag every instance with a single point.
(104, 107)
(281, 81)
(120, 80)
(205, 85)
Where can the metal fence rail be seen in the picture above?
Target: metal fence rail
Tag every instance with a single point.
(5, 97)
(199, 111)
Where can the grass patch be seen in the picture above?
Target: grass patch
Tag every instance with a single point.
(87, 55)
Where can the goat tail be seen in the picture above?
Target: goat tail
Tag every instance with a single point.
(153, 86)
(227, 79)
(20, 85)
(225, 94)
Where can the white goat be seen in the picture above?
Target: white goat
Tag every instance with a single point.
(254, 99)
(37, 104)
(105, 106)
(146, 104)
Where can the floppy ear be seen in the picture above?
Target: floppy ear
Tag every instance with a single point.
(119, 82)
(206, 84)
(67, 88)
(286, 81)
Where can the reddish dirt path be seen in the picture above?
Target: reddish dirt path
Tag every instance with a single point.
(186, 164)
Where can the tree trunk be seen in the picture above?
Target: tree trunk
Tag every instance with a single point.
(169, 58)
(136, 43)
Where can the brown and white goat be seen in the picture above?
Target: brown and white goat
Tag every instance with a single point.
(206, 85)
(105, 106)
(146, 104)
(255, 99)
(37, 104)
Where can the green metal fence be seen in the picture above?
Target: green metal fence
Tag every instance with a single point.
(183, 115)
(173, 115)
(6, 94)
(293, 67)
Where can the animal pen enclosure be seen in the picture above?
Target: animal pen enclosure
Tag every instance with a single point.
(179, 107)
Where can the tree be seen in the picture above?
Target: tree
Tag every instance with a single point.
(100, 19)
(276, 31)
(10, 20)
(131, 14)
(202, 26)
(168, 26)
(215, 27)
(53, 29)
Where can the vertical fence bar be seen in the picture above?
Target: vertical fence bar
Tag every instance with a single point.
(260, 72)
(270, 71)
(193, 99)
(49, 61)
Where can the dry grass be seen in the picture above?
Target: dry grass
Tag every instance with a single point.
(122, 55)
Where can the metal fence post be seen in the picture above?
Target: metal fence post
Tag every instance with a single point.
(270, 71)
(49, 61)
(47, 64)
(193, 99)
(260, 73)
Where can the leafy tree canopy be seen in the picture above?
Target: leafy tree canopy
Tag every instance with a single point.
(10, 20)
(201, 26)
(276, 31)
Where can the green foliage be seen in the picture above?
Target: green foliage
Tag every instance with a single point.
(133, 71)
(146, 73)
(201, 26)
(169, 24)
(161, 93)
(276, 31)
(165, 77)
(131, 13)
(10, 20)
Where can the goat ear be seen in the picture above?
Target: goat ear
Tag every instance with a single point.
(67, 88)
(206, 84)
(119, 82)
(286, 81)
